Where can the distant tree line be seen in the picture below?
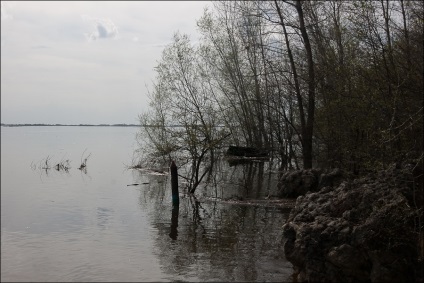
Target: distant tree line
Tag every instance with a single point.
(320, 83)
(71, 125)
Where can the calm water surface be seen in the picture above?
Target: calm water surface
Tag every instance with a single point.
(91, 226)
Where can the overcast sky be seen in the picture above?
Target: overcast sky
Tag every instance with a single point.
(85, 62)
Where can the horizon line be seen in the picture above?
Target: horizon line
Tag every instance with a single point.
(59, 124)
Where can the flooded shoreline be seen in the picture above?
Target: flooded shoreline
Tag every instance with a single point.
(77, 226)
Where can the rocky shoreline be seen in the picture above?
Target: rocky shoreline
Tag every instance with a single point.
(366, 229)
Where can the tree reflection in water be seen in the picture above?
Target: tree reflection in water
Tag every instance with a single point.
(215, 241)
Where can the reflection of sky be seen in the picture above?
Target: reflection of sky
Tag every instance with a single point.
(59, 201)
(77, 227)
(79, 256)
(66, 226)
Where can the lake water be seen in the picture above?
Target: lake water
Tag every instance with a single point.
(79, 225)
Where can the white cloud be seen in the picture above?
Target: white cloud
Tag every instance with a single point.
(5, 12)
(103, 28)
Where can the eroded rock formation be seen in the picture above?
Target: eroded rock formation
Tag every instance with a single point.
(363, 230)
(297, 183)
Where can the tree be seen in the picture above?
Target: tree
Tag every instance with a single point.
(184, 122)
(306, 112)
(325, 83)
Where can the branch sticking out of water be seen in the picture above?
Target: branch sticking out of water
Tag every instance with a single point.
(84, 162)
(63, 165)
(44, 164)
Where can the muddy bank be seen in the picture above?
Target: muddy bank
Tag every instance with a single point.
(363, 230)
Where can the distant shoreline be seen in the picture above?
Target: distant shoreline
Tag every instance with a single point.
(65, 125)
(87, 125)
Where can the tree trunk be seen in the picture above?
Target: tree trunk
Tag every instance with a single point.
(308, 131)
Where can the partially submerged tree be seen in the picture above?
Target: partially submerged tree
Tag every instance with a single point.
(185, 123)
(319, 83)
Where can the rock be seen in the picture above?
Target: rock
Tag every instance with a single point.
(333, 178)
(363, 230)
(296, 183)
